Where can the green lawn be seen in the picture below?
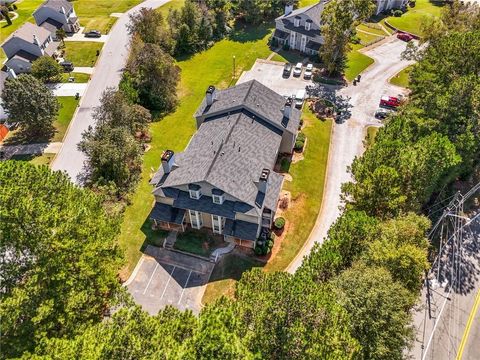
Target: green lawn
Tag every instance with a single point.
(68, 104)
(213, 66)
(25, 10)
(95, 14)
(199, 242)
(82, 53)
(412, 20)
(367, 39)
(372, 29)
(79, 77)
(371, 134)
(285, 56)
(402, 78)
(306, 190)
(226, 273)
(356, 62)
(43, 159)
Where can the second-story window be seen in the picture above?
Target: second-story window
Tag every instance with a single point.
(218, 199)
(296, 22)
(195, 194)
(307, 25)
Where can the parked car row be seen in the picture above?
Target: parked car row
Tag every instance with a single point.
(297, 70)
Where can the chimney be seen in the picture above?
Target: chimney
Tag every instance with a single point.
(210, 95)
(262, 182)
(168, 159)
(288, 9)
(35, 40)
(287, 109)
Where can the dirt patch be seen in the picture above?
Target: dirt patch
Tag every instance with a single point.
(288, 177)
(284, 202)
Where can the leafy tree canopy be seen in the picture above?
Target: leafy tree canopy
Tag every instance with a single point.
(60, 259)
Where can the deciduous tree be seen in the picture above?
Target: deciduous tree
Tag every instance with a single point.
(29, 102)
(46, 69)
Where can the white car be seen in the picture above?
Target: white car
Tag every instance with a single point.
(297, 71)
(308, 72)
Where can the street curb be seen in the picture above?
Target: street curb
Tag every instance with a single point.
(135, 271)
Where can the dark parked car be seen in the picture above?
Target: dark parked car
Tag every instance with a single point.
(405, 37)
(287, 70)
(382, 113)
(67, 66)
(93, 34)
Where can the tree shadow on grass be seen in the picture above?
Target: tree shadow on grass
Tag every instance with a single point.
(152, 236)
(243, 32)
(23, 136)
(233, 265)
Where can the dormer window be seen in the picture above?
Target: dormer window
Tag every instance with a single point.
(308, 25)
(218, 196)
(296, 21)
(194, 191)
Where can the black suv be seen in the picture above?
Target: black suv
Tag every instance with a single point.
(287, 70)
(93, 34)
(67, 66)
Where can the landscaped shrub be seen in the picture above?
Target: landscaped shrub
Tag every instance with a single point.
(285, 165)
(355, 39)
(272, 237)
(279, 223)
(301, 136)
(301, 124)
(397, 13)
(299, 145)
(412, 3)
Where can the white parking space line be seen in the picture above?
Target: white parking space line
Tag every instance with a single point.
(150, 280)
(166, 285)
(183, 290)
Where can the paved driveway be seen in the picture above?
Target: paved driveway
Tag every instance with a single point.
(169, 278)
(269, 73)
(68, 89)
(360, 103)
(107, 74)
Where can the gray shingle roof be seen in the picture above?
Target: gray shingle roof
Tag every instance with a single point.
(255, 97)
(58, 4)
(241, 229)
(229, 152)
(314, 12)
(51, 25)
(167, 213)
(26, 32)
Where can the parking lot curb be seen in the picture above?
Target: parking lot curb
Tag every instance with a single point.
(135, 271)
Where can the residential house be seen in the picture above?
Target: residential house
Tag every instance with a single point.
(225, 178)
(57, 14)
(385, 5)
(25, 45)
(300, 29)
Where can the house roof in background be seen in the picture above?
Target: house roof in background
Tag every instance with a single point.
(26, 32)
(57, 5)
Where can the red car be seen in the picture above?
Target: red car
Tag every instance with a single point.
(389, 101)
(405, 37)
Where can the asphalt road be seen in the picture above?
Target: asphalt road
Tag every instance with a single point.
(108, 72)
(347, 137)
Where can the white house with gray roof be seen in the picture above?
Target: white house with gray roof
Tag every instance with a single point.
(57, 14)
(27, 44)
(225, 178)
(300, 28)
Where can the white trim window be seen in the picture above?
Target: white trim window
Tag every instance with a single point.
(296, 22)
(217, 199)
(217, 224)
(195, 194)
(308, 24)
(195, 219)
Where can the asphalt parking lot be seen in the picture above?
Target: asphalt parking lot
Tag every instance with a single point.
(164, 278)
(270, 73)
